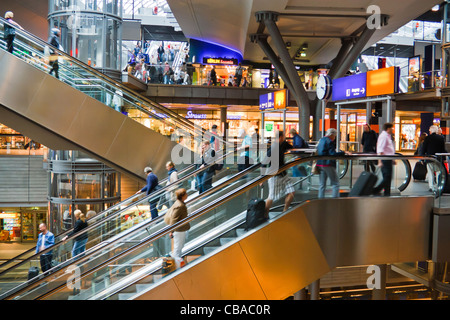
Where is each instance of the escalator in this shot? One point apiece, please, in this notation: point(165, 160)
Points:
point(224, 261)
point(86, 110)
point(124, 216)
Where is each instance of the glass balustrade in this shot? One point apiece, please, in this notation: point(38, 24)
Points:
point(136, 257)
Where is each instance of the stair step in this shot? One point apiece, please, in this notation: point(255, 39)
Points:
point(274, 214)
point(225, 240)
point(125, 296)
point(240, 232)
point(141, 287)
point(192, 258)
point(208, 250)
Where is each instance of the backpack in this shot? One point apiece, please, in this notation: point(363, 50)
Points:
point(256, 211)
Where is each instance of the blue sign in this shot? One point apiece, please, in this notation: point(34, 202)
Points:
point(350, 87)
point(266, 101)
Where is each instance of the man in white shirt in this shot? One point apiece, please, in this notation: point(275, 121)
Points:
point(385, 146)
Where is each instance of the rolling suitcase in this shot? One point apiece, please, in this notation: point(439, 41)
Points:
point(420, 171)
point(33, 272)
point(364, 185)
point(256, 212)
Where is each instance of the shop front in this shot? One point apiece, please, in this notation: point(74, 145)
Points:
point(21, 224)
point(236, 120)
point(409, 126)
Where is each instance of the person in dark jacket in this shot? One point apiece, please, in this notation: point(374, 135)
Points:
point(152, 185)
point(327, 168)
point(297, 141)
point(9, 32)
point(206, 177)
point(432, 144)
point(54, 41)
point(369, 143)
point(79, 245)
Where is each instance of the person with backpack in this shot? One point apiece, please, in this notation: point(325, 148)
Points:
point(9, 32)
point(327, 168)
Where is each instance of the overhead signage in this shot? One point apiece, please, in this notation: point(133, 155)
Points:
point(368, 84)
point(382, 82)
point(350, 87)
point(273, 100)
point(220, 61)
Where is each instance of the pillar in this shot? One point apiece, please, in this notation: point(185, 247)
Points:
point(315, 290)
point(223, 122)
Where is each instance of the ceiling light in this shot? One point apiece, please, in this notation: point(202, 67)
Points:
point(435, 8)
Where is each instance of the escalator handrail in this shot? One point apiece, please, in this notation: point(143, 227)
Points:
point(219, 201)
point(105, 212)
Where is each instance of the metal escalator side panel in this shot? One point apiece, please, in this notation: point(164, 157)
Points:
point(69, 113)
point(304, 244)
point(371, 230)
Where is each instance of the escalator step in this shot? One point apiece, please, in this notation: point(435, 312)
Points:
point(125, 296)
point(191, 258)
point(240, 232)
point(225, 240)
point(141, 287)
point(274, 214)
point(208, 250)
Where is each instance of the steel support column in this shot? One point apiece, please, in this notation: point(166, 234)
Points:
point(354, 52)
point(261, 40)
point(269, 18)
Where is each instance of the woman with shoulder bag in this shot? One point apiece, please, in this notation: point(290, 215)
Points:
point(177, 213)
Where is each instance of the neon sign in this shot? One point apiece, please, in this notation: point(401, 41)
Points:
point(220, 61)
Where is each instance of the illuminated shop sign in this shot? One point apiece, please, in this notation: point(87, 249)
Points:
point(273, 100)
point(203, 116)
point(220, 61)
point(197, 116)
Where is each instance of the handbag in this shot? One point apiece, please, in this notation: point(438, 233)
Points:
point(314, 168)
